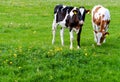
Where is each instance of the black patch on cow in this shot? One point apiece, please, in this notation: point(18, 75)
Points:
point(57, 8)
point(82, 17)
point(61, 12)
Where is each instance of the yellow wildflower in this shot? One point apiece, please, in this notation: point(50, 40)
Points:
point(15, 55)
point(19, 67)
point(10, 62)
point(86, 54)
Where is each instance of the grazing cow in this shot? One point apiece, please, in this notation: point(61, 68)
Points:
point(70, 17)
point(100, 22)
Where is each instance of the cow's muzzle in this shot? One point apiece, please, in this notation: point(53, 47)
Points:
point(81, 22)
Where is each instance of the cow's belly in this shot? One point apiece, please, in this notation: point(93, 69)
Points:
point(62, 23)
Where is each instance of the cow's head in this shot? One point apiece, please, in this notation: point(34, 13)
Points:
point(100, 36)
point(82, 13)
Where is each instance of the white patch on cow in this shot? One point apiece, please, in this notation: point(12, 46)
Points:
point(82, 11)
point(105, 12)
point(81, 22)
point(63, 7)
point(76, 30)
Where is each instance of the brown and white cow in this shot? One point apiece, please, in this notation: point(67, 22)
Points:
point(70, 17)
point(100, 22)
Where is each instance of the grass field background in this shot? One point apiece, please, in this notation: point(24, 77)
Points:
point(27, 55)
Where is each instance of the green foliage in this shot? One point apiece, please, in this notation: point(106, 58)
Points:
point(27, 55)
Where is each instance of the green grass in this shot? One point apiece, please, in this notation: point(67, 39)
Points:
point(27, 55)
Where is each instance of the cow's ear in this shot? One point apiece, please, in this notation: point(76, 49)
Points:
point(95, 31)
point(106, 33)
point(75, 11)
point(88, 11)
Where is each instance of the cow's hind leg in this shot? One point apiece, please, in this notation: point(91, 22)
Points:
point(62, 36)
point(54, 26)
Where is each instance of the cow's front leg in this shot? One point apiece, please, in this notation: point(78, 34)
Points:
point(54, 26)
point(62, 36)
point(78, 38)
point(95, 37)
point(71, 39)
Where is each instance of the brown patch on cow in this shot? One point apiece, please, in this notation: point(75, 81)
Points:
point(108, 21)
point(96, 21)
point(77, 27)
point(102, 39)
point(104, 22)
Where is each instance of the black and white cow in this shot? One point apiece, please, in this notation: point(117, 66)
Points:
point(70, 17)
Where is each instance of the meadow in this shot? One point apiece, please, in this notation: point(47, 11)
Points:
point(27, 54)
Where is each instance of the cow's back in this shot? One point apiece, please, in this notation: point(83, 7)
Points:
point(101, 13)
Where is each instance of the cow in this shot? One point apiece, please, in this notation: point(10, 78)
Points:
point(68, 17)
point(100, 22)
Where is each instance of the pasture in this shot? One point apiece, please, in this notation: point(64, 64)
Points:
point(27, 54)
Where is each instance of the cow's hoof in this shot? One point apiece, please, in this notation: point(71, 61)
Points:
point(71, 48)
point(98, 44)
point(78, 47)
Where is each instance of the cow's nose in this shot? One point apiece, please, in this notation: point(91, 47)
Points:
point(81, 22)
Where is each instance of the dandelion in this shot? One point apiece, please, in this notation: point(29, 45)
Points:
point(15, 55)
point(86, 54)
point(11, 62)
point(58, 49)
point(48, 52)
point(19, 67)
